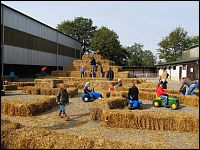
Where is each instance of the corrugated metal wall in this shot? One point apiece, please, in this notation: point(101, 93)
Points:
point(16, 55)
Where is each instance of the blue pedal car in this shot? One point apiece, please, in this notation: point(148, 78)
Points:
point(134, 104)
point(88, 98)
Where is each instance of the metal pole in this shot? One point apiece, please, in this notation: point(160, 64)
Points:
point(2, 46)
point(57, 51)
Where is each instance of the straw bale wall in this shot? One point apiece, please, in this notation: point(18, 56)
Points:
point(48, 91)
point(27, 108)
point(9, 87)
point(50, 83)
point(187, 100)
point(151, 120)
point(42, 138)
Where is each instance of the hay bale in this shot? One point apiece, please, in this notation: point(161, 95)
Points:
point(151, 120)
point(106, 103)
point(35, 91)
point(10, 87)
point(27, 108)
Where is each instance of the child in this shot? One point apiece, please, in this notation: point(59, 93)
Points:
point(112, 88)
point(62, 99)
point(160, 92)
point(133, 92)
point(87, 89)
point(101, 72)
point(82, 70)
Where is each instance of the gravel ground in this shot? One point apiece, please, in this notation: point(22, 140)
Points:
point(81, 123)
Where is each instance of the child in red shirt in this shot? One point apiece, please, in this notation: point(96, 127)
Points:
point(160, 92)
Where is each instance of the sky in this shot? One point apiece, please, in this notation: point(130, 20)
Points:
point(144, 22)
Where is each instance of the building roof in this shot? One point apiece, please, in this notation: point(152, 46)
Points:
point(192, 60)
point(38, 21)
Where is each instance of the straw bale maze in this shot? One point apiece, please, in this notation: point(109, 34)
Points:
point(29, 114)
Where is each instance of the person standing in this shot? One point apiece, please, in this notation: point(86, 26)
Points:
point(110, 74)
point(101, 72)
point(62, 99)
point(12, 76)
point(93, 63)
point(163, 78)
point(82, 70)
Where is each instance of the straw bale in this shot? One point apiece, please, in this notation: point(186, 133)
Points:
point(51, 83)
point(21, 84)
point(9, 87)
point(87, 57)
point(26, 89)
point(23, 108)
point(151, 120)
point(41, 138)
point(105, 103)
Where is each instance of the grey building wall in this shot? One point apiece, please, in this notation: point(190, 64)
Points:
point(20, 55)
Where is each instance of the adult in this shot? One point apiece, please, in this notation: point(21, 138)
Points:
point(133, 92)
point(82, 70)
point(163, 78)
point(110, 74)
point(93, 63)
point(12, 76)
point(62, 99)
point(191, 86)
point(160, 92)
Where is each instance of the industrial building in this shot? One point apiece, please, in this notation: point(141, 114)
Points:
point(28, 44)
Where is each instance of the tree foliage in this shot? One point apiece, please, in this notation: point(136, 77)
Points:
point(139, 57)
point(191, 41)
point(106, 41)
point(171, 46)
point(80, 28)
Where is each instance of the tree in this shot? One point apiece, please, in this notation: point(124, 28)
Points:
point(106, 41)
point(135, 55)
point(148, 59)
point(191, 41)
point(80, 28)
point(171, 46)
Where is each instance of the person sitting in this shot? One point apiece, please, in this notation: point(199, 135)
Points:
point(110, 74)
point(133, 92)
point(160, 92)
point(112, 88)
point(12, 76)
point(119, 83)
point(87, 89)
point(191, 86)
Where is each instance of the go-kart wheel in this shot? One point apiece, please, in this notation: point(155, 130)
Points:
point(129, 106)
point(140, 106)
point(174, 106)
point(156, 103)
point(86, 99)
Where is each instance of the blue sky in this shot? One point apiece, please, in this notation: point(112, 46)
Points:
point(145, 22)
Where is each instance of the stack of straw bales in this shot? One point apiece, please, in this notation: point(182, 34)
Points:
point(50, 83)
point(27, 108)
point(151, 120)
point(9, 87)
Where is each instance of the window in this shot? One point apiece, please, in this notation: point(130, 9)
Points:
point(174, 67)
point(184, 67)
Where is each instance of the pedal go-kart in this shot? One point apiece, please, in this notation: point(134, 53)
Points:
point(134, 104)
point(173, 102)
point(88, 98)
point(2, 92)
